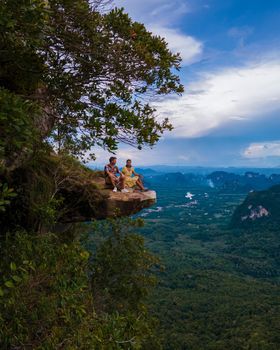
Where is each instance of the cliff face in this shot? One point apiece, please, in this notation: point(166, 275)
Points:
point(103, 203)
point(91, 199)
point(260, 208)
point(124, 204)
point(60, 190)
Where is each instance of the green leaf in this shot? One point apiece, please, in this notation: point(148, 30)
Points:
point(16, 278)
point(84, 255)
point(9, 284)
point(13, 266)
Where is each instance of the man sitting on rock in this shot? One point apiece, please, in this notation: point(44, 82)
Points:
point(111, 170)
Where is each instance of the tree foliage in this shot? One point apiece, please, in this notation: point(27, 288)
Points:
point(49, 301)
point(73, 75)
point(6, 194)
point(17, 130)
point(123, 268)
point(92, 72)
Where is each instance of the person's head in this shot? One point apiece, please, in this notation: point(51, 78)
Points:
point(128, 163)
point(113, 160)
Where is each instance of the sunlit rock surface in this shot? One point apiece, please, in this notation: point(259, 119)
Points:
point(92, 200)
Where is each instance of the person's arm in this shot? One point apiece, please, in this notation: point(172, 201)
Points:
point(134, 173)
point(107, 172)
point(122, 173)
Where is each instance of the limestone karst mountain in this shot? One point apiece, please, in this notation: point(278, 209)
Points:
point(259, 208)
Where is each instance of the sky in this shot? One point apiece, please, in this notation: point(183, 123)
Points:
point(229, 112)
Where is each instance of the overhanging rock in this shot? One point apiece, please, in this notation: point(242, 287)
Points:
point(93, 201)
point(125, 204)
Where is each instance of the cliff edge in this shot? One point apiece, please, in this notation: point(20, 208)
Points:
point(91, 199)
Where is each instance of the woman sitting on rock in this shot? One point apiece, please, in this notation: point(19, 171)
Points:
point(130, 181)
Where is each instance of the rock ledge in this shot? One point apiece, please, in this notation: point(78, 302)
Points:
point(93, 201)
point(124, 204)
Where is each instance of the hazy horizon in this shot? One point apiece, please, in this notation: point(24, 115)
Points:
point(157, 166)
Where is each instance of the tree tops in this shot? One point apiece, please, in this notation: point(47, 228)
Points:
point(90, 71)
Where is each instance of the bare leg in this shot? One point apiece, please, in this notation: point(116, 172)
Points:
point(140, 184)
point(112, 179)
point(122, 177)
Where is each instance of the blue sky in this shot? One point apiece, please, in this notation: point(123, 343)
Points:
point(229, 113)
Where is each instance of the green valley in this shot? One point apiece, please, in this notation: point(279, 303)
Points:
point(220, 287)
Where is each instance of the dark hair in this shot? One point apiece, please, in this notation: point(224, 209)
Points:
point(112, 158)
point(128, 160)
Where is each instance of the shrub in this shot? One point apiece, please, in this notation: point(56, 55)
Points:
point(47, 301)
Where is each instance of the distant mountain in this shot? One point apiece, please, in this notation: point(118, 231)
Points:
point(221, 180)
point(242, 183)
point(179, 178)
point(260, 208)
point(147, 171)
point(208, 170)
point(275, 178)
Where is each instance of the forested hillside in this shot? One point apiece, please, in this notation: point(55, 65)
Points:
point(220, 286)
point(260, 209)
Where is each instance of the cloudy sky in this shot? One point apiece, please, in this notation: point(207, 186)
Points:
point(229, 113)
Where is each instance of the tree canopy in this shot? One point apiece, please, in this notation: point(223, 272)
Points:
point(90, 69)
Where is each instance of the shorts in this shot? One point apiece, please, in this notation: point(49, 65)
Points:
point(108, 181)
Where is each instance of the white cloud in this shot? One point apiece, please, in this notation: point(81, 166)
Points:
point(160, 17)
point(262, 150)
point(184, 158)
point(189, 48)
point(229, 95)
point(123, 153)
point(151, 11)
point(240, 34)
